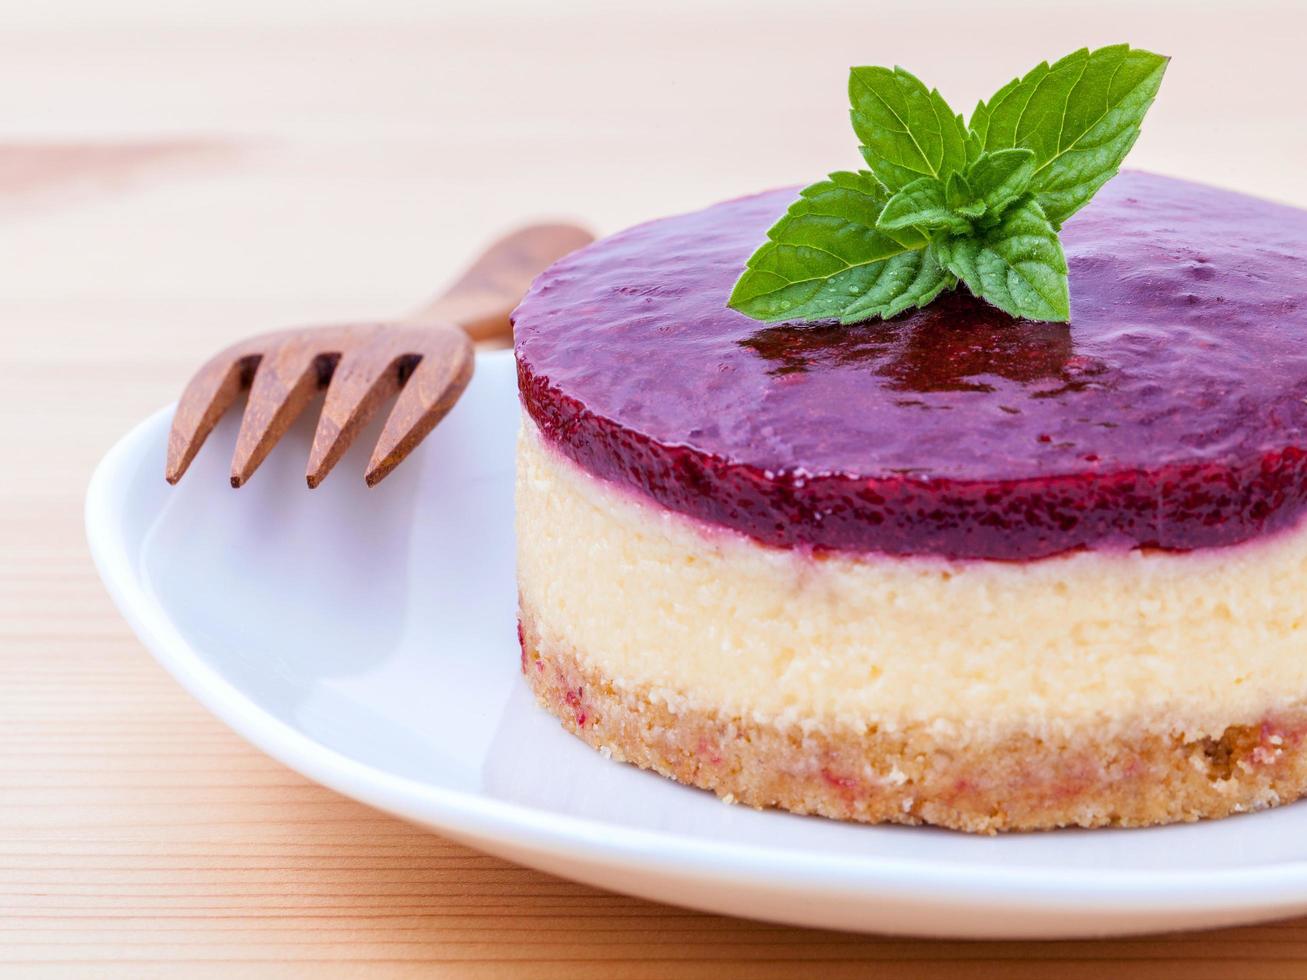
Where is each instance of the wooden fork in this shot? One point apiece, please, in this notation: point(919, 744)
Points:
point(426, 358)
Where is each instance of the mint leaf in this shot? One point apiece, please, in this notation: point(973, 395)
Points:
point(922, 204)
point(1017, 265)
point(912, 279)
point(958, 192)
point(999, 177)
point(907, 131)
point(975, 144)
point(982, 113)
point(945, 201)
point(825, 254)
point(1079, 116)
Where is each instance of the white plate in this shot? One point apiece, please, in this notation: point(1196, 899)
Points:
point(366, 638)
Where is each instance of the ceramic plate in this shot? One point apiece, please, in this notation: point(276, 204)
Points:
point(367, 639)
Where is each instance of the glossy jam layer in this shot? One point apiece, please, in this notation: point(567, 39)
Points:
point(1170, 413)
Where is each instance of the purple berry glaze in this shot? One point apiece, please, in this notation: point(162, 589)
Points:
point(1169, 414)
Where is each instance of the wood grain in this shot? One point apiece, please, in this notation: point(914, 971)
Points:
point(358, 163)
point(361, 366)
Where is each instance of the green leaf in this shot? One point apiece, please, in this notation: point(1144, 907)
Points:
point(957, 192)
point(975, 144)
point(907, 131)
point(910, 280)
point(1017, 265)
point(980, 115)
point(945, 202)
point(824, 254)
point(922, 204)
point(1079, 116)
point(999, 177)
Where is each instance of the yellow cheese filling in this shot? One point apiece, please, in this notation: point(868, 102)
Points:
point(698, 616)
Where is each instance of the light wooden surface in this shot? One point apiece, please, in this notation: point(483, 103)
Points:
point(173, 177)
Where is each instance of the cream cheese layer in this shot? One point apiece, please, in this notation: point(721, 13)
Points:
point(699, 616)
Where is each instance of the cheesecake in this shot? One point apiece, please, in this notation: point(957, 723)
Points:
point(951, 568)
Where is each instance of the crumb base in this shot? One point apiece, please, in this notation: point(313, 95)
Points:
point(910, 775)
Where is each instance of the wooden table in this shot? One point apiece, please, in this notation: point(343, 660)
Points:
point(170, 182)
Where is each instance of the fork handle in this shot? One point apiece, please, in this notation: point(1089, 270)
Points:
point(481, 299)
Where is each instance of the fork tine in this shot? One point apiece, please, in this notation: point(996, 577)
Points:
point(206, 399)
point(285, 380)
point(363, 379)
point(283, 369)
point(427, 396)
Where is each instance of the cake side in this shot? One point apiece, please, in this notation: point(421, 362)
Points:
point(1194, 641)
point(1085, 689)
point(916, 775)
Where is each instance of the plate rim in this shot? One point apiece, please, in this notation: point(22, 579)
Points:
point(475, 817)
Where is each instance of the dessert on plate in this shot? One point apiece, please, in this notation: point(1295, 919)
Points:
point(948, 565)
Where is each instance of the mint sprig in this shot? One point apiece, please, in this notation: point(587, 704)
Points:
point(945, 201)
point(1016, 264)
point(827, 258)
point(1080, 116)
point(906, 131)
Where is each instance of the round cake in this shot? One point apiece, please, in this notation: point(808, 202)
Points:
point(950, 568)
